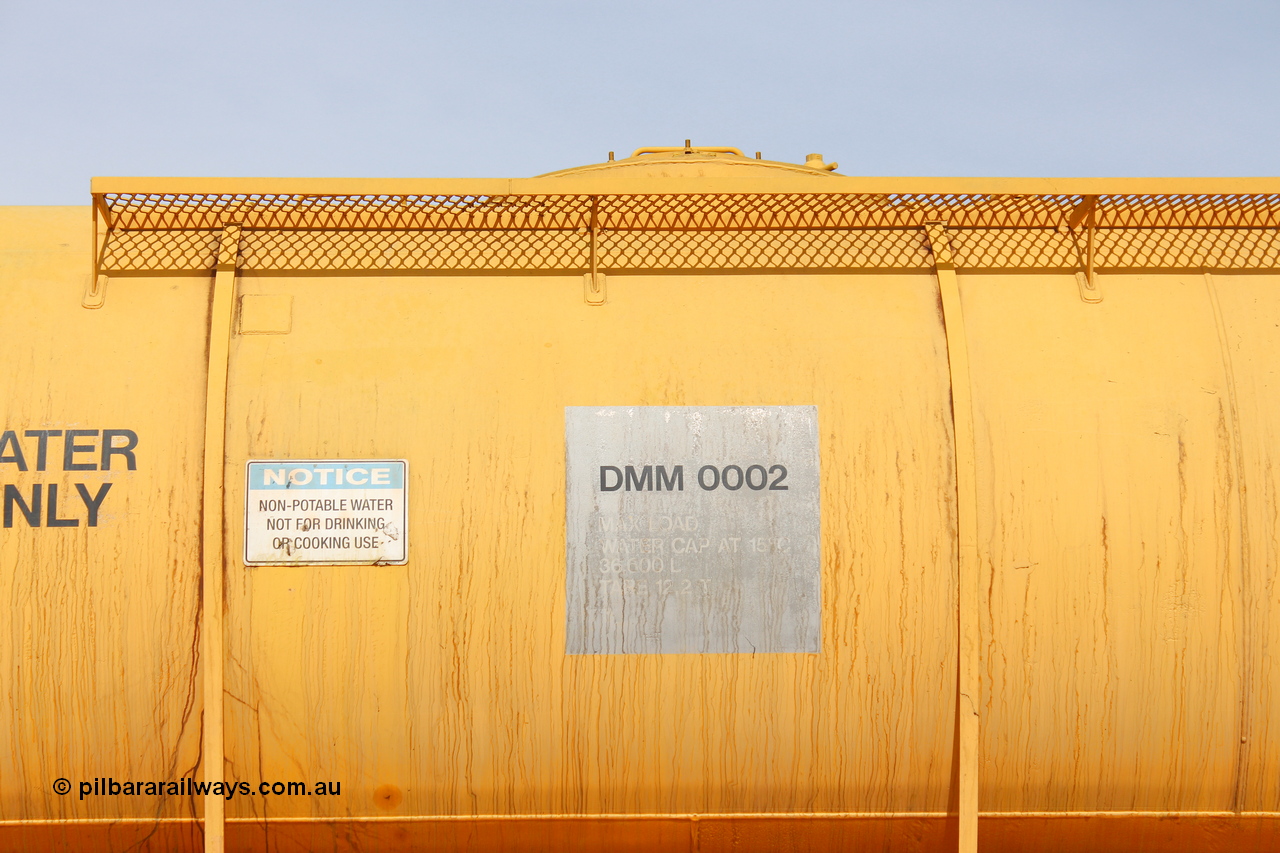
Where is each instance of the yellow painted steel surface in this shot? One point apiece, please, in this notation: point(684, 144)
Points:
point(1122, 499)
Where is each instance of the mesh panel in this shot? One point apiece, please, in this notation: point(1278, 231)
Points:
point(734, 250)
point(1224, 249)
point(137, 211)
point(410, 251)
point(989, 248)
point(1198, 211)
point(728, 232)
point(170, 251)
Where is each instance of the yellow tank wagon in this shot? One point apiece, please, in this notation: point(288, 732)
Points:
point(447, 514)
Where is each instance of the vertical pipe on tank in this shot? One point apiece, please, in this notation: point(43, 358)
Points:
point(968, 673)
point(221, 308)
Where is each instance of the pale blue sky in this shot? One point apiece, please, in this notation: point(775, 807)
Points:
point(400, 89)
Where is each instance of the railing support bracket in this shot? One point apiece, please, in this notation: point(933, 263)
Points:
point(95, 295)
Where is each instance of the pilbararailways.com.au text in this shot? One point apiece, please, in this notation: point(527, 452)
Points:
point(109, 787)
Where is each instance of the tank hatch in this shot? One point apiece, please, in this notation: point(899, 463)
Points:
point(699, 161)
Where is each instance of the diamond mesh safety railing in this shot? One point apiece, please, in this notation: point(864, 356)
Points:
point(728, 232)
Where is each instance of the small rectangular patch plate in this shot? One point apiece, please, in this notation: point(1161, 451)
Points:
point(266, 314)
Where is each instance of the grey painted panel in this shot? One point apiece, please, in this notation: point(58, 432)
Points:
point(692, 529)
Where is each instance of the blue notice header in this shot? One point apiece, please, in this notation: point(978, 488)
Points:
point(308, 474)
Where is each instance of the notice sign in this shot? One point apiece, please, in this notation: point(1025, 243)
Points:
point(692, 529)
point(314, 512)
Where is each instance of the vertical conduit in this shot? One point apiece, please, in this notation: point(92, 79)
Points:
point(967, 671)
point(221, 307)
